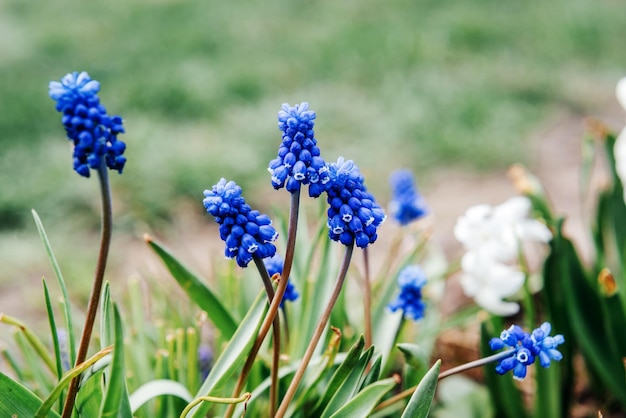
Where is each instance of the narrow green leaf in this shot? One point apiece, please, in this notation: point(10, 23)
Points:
point(116, 403)
point(156, 388)
point(67, 311)
point(586, 325)
point(350, 386)
point(34, 341)
point(422, 398)
point(233, 355)
point(46, 406)
point(366, 400)
point(197, 291)
point(341, 374)
point(89, 397)
point(53, 331)
point(374, 373)
point(17, 401)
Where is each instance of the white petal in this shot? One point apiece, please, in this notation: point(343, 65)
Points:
point(620, 92)
point(495, 305)
point(619, 150)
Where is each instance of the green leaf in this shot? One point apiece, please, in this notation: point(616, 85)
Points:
point(197, 291)
point(422, 398)
point(350, 386)
point(46, 406)
point(116, 403)
point(17, 401)
point(53, 330)
point(374, 373)
point(89, 397)
point(340, 375)
point(156, 388)
point(366, 400)
point(233, 355)
point(67, 312)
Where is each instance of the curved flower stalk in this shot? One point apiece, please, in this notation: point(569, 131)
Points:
point(87, 123)
point(94, 134)
point(298, 161)
point(407, 204)
point(411, 280)
point(524, 348)
point(492, 237)
point(620, 143)
point(246, 232)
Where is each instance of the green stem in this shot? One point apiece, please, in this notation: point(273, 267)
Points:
point(273, 309)
point(94, 299)
point(319, 329)
point(269, 289)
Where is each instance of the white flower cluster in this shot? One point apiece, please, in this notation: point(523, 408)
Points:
point(492, 237)
point(620, 144)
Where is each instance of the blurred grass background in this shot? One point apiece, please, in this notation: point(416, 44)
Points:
point(423, 84)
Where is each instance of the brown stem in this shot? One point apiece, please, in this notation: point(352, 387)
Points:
point(94, 298)
point(317, 334)
point(367, 303)
point(273, 309)
point(269, 289)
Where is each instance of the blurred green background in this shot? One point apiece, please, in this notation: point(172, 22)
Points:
point(422, 84)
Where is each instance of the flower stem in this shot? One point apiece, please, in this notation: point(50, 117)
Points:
point(269, 289)
point(94, 298)
point(463, 367)
point(273, 309)
point(317, 334)
point(367, 303)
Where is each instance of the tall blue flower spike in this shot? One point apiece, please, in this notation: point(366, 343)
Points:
point(411, 280)
point(275, 265)
point(525, 348)
point(298, 161)
point(353, 214)
point(407, 204)
point(246, 232)
point(87, 123)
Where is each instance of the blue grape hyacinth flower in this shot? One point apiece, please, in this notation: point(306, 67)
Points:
point(87, 123)
point(407, 204)
point(525, 348)
point(298, 161)
point(353, 214)
point(246, 232)
point(274, 265)
point(411, 280)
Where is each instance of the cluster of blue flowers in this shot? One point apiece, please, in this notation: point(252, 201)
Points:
point(246, 232)
point(407, 204)
point(411, 280)
point(525, 348)
point(274, 265)
point(87, 123)
point(353, 214)
point(298, 161)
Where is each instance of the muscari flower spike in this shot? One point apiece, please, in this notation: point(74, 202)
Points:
point(246, 232)
point(526, 347)
point(87, 123)
point(353, 214)
point(411, 280)
point(274, 265)
point(407, 204)
point(298, 161)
